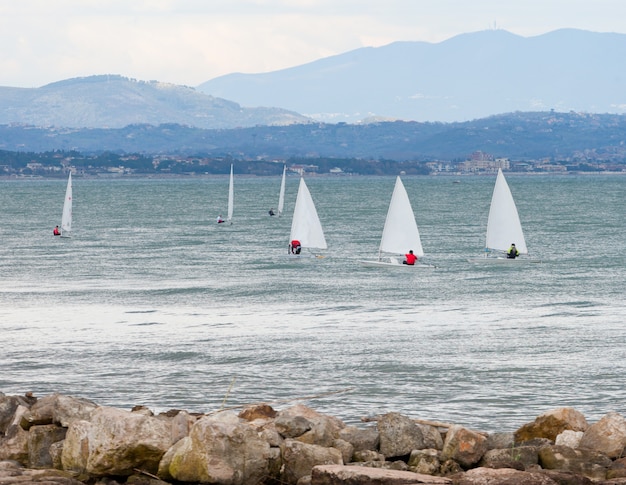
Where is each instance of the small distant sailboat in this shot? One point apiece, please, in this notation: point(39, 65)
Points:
point(281, 196)
point(400, 234)
point(66, 217)
point(503, 227)
point(306, 226)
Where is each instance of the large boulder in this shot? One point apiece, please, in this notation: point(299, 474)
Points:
point(426, 462)
point(11, 474)
point(356, 475)
point(361, 439)
point(569, 438)
point(309, 426)
point(518, 458)
point(399, 435)
point(8, 406)
point(617, 469)
point(14, 445)
point(607, 436)
point(552, 423)
point(585, 462)
point(40, 439)
point(300, 458)
point(502, 476)
point(222, 449)
point(464, 446)
point(58, 409)
point(181, 424)
point(115, 442)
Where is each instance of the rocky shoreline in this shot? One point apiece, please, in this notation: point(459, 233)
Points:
point(65, 440)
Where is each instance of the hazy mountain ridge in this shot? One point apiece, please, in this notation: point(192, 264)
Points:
point(466, 77)
point(519, 136)
point(112, 101)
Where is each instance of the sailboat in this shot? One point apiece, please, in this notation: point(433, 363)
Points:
point(305, 225)
point(66, 217)
point(400, 233)
point(231, 196)
point(281, 196)
point(503, 227)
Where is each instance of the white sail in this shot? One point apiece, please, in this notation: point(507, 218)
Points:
point(66, 218)
point(231, 195)
point(306, 226)
point(503, 225)
point(281, 196)
point(400, 233)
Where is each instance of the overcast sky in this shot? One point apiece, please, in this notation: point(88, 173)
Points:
point(192, 41)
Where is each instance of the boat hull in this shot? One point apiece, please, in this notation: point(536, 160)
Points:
point(394, 264)
point(502, 260)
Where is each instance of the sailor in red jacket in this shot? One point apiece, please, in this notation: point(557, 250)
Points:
point(295, 247)
point(56, 231)
point(410, 258)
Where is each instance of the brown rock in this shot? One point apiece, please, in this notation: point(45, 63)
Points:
point(219, 449)
point(300, 458)
point(426, 462)
point(586, 462)
point(502, 476)
point(13, 474)
point(354, 475)
point(607, 436)
point(464, 446)
point(566, 478)
point(257, 411)
point(617, 469)
point(518, 458)
point(40, 438)
point(14, 446)
point(550, 424)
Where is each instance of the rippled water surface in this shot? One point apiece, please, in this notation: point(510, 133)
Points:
point(151, 302)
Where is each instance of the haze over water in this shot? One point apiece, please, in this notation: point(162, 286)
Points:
point(150, 302)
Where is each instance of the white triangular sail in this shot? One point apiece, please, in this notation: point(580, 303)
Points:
point(400, 233)
point(306, 226)
point(503, 225)
point(66, 218)
point(281, 196)
point(231, 195)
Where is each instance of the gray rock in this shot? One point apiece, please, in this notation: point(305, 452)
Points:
point(399, 435)
point(354, 475)
point(607, 436)
point(360, 439)
point(502, 476)
point(585, 462)
point(300, 458)
point(40, 439)
point(221, 448)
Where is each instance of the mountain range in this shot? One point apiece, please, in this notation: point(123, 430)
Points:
point(519, 136)
point(467, 77)
point(113, 101)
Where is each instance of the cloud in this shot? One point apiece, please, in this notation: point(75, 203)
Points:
point(191, 41)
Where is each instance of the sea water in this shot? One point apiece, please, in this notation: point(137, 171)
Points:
point(151, 302)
